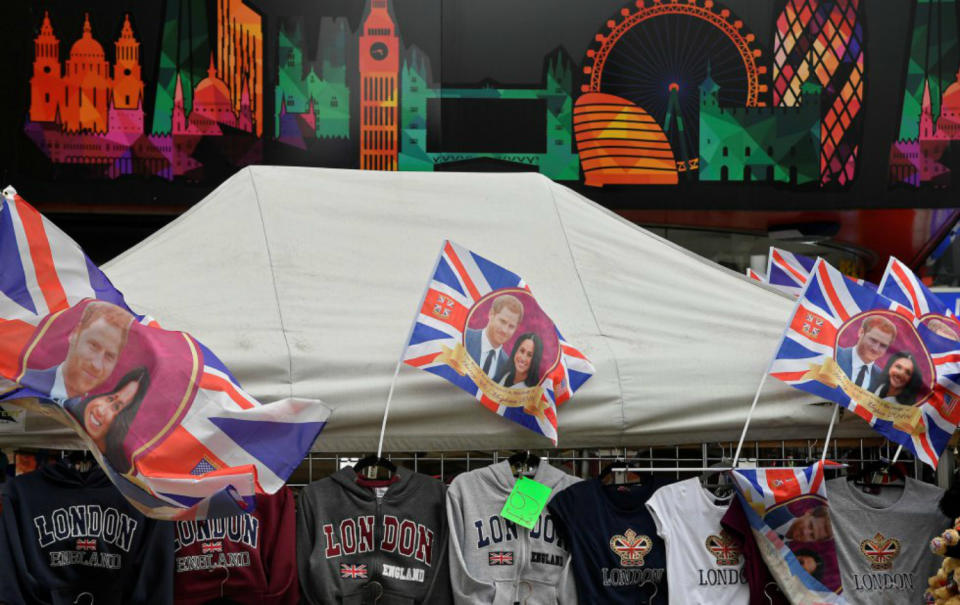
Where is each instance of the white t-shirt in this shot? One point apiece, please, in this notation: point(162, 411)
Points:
point(704, 567)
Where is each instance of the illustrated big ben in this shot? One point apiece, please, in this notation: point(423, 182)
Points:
point(127, 83)
point(379, 71)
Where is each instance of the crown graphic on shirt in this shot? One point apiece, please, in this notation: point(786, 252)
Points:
point(723, 548)
point(631, 548)
point(880, 551)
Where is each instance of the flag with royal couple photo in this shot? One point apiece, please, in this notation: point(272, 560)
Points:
point(163, 416)
point(480, 327)
point(896, 368)
point(788, 514)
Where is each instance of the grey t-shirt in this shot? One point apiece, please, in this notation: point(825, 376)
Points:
point(883, 540)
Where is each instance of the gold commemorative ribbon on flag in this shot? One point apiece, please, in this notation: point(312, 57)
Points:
point(531, 399)
point(906, 418)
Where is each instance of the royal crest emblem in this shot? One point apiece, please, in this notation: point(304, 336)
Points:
point(812, 325)
point(443, 306)
point(880, 551)
point(631, 548)
point(723, 548)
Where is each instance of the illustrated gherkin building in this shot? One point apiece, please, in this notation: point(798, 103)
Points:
point(822, 41)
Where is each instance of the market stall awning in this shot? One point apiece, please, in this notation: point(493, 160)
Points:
point(305, 282)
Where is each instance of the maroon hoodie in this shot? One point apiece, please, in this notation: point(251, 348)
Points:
point(248, 558)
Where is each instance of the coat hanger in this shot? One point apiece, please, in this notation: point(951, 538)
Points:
point(221, 600)
point(79, 460)
point(771, 587)
point(375, 467)
point(722, 487)
point(716, 480)
point(876, 475)
point(623, 472)
point(653, 595)
point(524, 463)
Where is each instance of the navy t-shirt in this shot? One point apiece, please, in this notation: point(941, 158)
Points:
point(615, 552)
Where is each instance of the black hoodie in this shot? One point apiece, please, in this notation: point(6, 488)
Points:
point(69, 538)
point(383, 545)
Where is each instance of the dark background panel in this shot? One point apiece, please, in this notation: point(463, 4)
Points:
point(469, 44)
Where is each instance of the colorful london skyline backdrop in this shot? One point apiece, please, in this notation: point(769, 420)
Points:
point(648, 103)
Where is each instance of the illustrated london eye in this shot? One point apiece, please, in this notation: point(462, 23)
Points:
point(653, 57)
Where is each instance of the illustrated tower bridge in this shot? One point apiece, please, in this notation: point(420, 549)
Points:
point(444, 126)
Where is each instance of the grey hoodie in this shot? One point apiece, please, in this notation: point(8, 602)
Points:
point(498, 562)
point(355, 543)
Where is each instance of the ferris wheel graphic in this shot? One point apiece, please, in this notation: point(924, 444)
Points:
point(651, 60)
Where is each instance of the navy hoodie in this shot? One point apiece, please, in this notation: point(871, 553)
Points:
point(69, 538)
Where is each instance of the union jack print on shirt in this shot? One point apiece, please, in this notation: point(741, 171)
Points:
point(210, 453)
point(463, 282)
point(500, 557)
point(209, 547)
point(827, 304)
point(353, 572)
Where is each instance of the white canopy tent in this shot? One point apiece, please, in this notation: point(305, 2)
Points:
point(305, 282)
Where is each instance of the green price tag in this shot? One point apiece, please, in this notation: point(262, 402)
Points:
point(525, 502)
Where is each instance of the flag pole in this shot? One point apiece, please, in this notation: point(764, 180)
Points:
point(406, 342)
point(896, 455)
point(386, 409)
point(746, 424)
point(826, 442)
point(756, 397)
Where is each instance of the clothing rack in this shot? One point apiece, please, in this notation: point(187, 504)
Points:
point(682, 460)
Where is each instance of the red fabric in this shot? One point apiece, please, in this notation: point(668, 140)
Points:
point(248, 570)
point(763, 588)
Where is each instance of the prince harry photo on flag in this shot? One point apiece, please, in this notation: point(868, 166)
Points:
point(485, 345)
point(94, 347)
point(858, 362)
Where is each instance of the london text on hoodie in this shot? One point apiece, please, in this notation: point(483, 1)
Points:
point(384, 545)
point(68, 537)
point(249, 558)
point(493, 560)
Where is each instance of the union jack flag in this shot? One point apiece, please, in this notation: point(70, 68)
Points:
point(789, 272)
point(900, 284)
point(810, 346)
point(756, 276)
point(86, 544)
point(209, 547)
point(500, 557)
point(353, 572)
point(46, 277)
point(444, 343)
point(778, 502)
